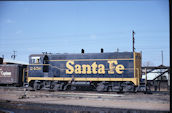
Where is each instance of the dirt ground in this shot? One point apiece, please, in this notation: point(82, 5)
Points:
point(141, 101)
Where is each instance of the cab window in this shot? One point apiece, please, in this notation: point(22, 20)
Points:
point(35, 60)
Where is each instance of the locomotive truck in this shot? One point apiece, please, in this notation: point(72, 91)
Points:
point(115, 71)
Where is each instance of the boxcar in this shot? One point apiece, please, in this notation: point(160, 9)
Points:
point(1, 60)
point(103, 71)
point(11, 74)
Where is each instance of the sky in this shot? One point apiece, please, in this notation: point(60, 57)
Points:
point(33, 27)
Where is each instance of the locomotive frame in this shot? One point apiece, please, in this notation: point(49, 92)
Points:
point(48, 71)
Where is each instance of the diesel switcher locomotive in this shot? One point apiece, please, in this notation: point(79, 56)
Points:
point(115, 71)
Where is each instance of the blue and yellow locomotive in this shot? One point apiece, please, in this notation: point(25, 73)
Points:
point(116, 71)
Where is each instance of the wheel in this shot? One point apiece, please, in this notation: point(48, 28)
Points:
point(67, 87)
point(102, 87)
point(37, 85)
point(73, 88)
point(57, 87)
point(128, 87)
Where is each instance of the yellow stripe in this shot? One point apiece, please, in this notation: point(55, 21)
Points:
point(82, 79)
point(91, 59)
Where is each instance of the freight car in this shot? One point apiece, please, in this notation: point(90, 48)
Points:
point(12, 74)
point(116, 71)
point(1, 60)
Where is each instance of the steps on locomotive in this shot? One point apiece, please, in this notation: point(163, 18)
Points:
point(143, 87)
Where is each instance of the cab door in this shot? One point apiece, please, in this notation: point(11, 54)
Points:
point(46, 67)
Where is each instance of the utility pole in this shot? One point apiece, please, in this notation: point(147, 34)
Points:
point(14, 55)
point(161, 71)
point(162, 56)
point(133, 40)
point(146, 79)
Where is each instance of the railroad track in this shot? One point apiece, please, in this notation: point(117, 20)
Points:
point(77, 93)
point(60, 94)
point(20, 94)
point(47, 90)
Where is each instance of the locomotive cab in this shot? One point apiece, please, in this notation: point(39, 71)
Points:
point(38, 65)
point(38, 68)
point(38, 59)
